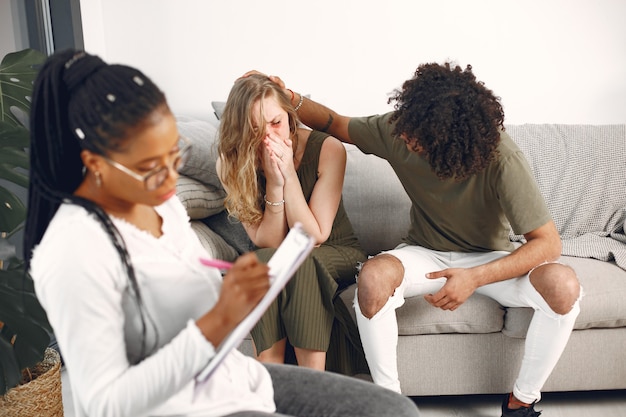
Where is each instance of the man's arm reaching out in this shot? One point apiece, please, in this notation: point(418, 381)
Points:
point(313, 114)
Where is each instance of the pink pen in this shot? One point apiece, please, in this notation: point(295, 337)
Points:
point(216, 263)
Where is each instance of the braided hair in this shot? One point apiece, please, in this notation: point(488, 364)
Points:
point(82, 103)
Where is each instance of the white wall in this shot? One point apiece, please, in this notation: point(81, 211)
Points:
point(549, 60)
point(12, 37)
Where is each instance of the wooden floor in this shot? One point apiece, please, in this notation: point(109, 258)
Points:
point(575, 404)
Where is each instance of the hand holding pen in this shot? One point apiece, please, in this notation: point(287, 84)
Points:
point(245, 283)
point(216, 263)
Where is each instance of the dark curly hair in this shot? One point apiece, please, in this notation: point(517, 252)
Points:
point(448, 116)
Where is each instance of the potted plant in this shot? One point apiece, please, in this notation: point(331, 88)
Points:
point(25, 333)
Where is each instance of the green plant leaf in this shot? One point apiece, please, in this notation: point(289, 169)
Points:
point(17, 75)
point(14, 137)
point(14, 163)
point(24, 329)
point(12, 212)
point(25, 333)
point(9, 370)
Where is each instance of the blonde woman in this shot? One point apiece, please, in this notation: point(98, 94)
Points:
point(276, 174)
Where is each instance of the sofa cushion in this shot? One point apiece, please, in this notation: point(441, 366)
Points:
point(604, 293)
point(231, 231)
point(375, 201)
point(218, 108)
point(215, 246)
point(201, 163)
point(479, 314)
point(200, 200)
point(602, 305)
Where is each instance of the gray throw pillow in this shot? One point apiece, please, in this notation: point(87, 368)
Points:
point(231, 231)
point(203, 137)
point(199, 199)
point(218, 108)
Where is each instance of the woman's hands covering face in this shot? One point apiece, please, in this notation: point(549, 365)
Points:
point(277, 159)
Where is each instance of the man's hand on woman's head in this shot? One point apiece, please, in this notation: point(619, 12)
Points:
point(274, 78)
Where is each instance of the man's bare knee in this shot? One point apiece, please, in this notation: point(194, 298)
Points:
point(558, 285)
point(377, 281)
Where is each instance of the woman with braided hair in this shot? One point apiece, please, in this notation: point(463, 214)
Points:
point(115, 264)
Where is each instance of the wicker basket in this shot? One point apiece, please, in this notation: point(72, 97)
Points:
point(42, 396)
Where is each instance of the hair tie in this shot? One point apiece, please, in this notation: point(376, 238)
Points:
point(80, 67)
point(74, 58)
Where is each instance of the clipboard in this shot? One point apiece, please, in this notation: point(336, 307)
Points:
point(293, 250)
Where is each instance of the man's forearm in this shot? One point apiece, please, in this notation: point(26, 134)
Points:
point(319, 117)
point(518, 263)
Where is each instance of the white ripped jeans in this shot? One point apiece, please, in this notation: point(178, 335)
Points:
point(547, 335)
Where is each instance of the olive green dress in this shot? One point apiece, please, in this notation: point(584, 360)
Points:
point(308, 312)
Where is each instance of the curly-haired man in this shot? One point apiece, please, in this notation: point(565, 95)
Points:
point(468, 183)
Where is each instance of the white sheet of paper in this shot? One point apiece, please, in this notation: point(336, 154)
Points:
point(296, 246)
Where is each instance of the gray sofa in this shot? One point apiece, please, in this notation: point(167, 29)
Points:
point(477, 349)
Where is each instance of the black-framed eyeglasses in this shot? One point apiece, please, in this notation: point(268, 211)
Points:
point(157, 176)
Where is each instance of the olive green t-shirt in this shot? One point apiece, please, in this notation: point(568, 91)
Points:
point(467, 216)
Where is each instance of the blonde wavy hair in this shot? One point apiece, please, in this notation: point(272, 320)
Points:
point(240, 144)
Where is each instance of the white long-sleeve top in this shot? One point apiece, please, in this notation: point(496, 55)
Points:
point(85, 290)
